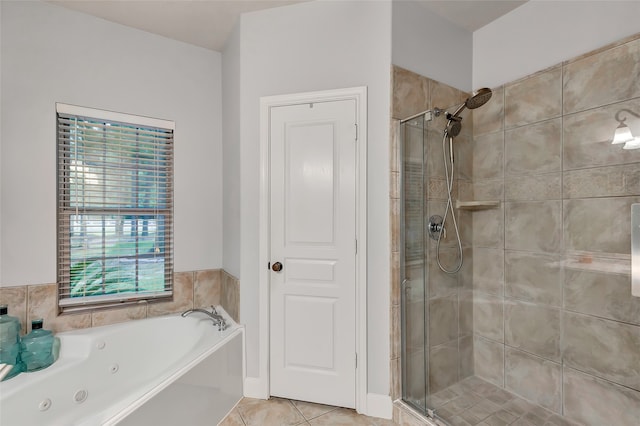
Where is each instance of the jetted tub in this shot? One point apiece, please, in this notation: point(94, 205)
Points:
point(159, 371)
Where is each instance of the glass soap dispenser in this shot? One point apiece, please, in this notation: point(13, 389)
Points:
point(37, 347)
point(10, 342)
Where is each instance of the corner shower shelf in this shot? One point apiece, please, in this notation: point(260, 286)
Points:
point(476, 205)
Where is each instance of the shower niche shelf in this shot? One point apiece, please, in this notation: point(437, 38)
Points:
point(476, 205)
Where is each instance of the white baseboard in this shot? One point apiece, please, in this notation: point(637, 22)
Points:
point(379, 406)
point(255, 388)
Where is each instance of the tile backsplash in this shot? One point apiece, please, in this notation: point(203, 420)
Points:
point(193, 289)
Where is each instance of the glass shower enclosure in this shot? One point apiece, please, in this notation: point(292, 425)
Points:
point(436, 350)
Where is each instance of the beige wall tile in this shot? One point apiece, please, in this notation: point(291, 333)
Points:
point(487, 190)
point(602, 181)
point(488, 314)
point(16, 299)
point(533, 99)
point(463, 148)
point(396, 332)
point(394, 190)
point(434, 155)
point(394, 148)
point(182, 296)
point(414, 382)
point(43, 303)
point(490, 117)
point(440, 283)
point(488, 359)
point(465, 310)
point(395, 279)
point(117, 315)
point(40, 301)
point(443, 366)
point(444, 96)
point(437, 189)
point(488, 228)
point(598, 225)
point(533, 328)
point(395, 225)
point(412, 141)
point(602, 294)
point(396, 385)
point(443, 320)
point(533, 187)
point(230, 298)
point(465, 345)
point(488, 271)
point(593, 402)
point(534, 149)
point(533, 226)
point(533, 277)
point(587, 137)
point(410, 93)
point(607, 77)
point(603, 348)
point(536, 379)
point(488, 152)
point(206, 288)
point(415, 326)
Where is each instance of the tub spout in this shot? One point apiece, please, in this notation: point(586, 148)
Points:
point(213, 316)
point(5, 369)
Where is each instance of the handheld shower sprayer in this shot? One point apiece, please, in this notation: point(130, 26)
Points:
point(453, 128)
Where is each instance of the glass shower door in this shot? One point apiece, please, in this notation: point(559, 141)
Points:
point(415, 354)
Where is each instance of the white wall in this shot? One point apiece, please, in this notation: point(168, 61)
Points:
point(231, 153)
point(1, 97)
point(540, 34)
point(429, 45)
point(308, 47)
point(50, 54)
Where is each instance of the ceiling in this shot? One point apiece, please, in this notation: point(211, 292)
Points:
point(207, 23)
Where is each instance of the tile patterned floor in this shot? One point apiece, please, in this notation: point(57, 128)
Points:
point(279, 412)
point(471, 402)
point(474, 401)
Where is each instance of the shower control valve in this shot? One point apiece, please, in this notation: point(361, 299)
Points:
point(435, 228)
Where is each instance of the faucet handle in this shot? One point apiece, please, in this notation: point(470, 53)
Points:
point(213, 310)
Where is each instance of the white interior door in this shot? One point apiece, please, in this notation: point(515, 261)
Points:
point(313, 238)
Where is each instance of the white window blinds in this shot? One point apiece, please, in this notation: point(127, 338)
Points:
point(115, 207)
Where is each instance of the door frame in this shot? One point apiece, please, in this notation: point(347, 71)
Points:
point(359, 94)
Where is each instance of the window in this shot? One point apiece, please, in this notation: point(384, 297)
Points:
point(115, 207)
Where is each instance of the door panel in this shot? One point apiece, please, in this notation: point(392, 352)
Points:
point(312, 346)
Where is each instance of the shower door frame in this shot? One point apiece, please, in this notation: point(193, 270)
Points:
point(427, 117)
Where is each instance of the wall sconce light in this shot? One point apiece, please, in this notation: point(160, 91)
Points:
point(623, 133)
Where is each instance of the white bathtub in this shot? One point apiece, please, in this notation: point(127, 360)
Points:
point(158, 371)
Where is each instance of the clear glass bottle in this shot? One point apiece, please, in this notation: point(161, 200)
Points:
point(10, 342)
point(36, 347)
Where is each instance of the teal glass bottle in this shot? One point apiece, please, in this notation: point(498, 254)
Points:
point(10, 342)
point(36, 347)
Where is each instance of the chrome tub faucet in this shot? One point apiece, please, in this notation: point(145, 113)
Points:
point(213, 316)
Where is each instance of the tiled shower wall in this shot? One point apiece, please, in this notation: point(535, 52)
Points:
point(553, 316)
point(449, 332)
point(195, 289)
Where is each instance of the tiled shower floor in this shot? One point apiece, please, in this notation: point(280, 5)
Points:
point(474, 401)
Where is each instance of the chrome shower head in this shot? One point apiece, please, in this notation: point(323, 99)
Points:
point(478, 99)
